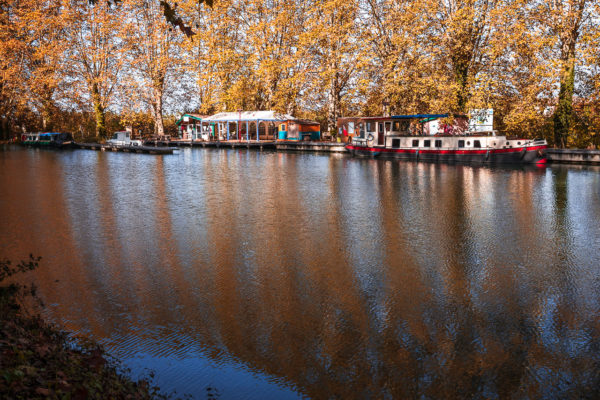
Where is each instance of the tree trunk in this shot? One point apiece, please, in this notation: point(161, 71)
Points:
point(159, 126)
point(564, 110)
point(99, 113)
point(3, 129)
point(333, 103)
point(461, 77)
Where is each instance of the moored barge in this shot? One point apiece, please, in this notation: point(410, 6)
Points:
point(48, 139)
point(415, 137)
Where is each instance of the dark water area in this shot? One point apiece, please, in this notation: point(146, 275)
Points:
point(254, 275)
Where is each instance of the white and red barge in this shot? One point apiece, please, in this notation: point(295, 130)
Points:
point(404, 137)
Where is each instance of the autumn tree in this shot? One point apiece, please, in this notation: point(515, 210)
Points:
point(563, 23)
point(151, 45)
point(329, 48)
point(12, 65)
point(94, 56)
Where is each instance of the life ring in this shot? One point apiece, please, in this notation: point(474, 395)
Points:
point(370, 139)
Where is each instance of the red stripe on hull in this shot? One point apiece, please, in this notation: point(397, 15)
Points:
point(528, 154)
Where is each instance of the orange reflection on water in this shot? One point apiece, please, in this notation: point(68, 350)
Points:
point(340, 277)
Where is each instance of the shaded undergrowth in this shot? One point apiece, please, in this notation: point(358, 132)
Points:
point(37, 360)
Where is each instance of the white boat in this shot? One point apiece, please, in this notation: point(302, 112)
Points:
point(404, 137)
point(123, 138)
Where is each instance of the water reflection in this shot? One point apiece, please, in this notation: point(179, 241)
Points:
point(285, 275)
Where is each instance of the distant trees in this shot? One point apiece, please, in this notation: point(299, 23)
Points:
point(535, 62)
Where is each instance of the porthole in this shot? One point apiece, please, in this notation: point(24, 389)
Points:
point(507, 143)
point(468, 143)
point(518, 143)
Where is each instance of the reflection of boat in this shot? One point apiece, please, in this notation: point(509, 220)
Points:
point(48, 139)
point(405, 137)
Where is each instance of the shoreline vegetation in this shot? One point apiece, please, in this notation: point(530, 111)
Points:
point(38, 360)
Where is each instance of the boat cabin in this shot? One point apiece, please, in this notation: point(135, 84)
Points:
point(379, 129)
point(299, 129)
point(123, 138)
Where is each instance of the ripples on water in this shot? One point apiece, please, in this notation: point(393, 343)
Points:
point(272, 275)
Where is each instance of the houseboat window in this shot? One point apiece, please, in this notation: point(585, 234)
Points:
point(361, 127)
point(518, 143)
point(350, 127)
point(396, 126)
point(477, 143)
point(127, 134)
point(438, 143)
point(370, 127)
point(395, 143)
point(115, 136)
point(415, 143)
point(388, 126)
point(282, 127)
point(426, 143)
point(507, 143)
point(461, 143)
point(380, 127)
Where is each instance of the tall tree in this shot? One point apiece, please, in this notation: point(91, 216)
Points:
point(151, 44)
point(45, 24)
point(94, 56)
point(13, 54)
point(563, 22)
point(330, 44)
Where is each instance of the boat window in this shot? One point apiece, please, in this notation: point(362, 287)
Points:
point(380, 127)
point(370, 127)
point(507, 143)
point(396, 126)
point(477, 143)
point(361, 127)
point(415, 143)
point(518, 143)
point(127, 134)
point(395, 143)
point(426, 143)
point(438, 143)
point(115, 136)
point(461, 143)
point(468, 143)
point(350, 127)
point(388, 126)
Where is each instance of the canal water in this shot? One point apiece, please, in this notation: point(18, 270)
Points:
point(255, 275)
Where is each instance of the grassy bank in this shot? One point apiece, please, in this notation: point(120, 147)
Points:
point(37, 360)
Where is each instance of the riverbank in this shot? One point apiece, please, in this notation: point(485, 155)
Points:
point(37, 360)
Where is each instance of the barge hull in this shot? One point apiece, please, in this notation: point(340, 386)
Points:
point(526, 155)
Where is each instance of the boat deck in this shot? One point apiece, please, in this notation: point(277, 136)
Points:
point(126, 149)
